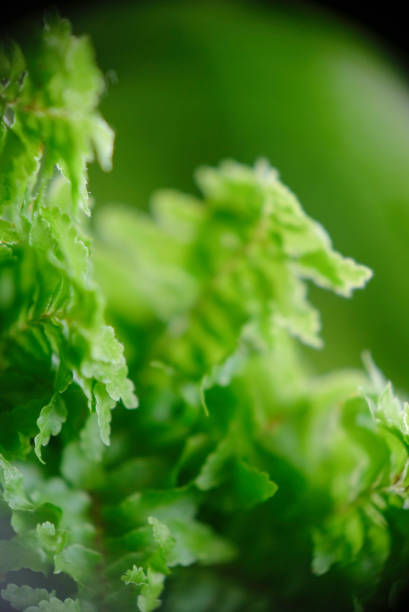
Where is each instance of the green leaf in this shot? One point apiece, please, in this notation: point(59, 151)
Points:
point(103, 140)
point(8, 233)
point(50, 538)
point(77, 561)
point(56, 605)
point(11, 480)
point(165, 543)
point(161, 504)
point(135, 576)
point(251, 486)
point(103, 406)
point(216, 467)
point(197, 542)
point(21, 597)
point(149, 584)
point(23, 552)
point(340, 542)
point(50, 421)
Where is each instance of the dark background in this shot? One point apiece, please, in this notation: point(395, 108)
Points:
point(386, 22)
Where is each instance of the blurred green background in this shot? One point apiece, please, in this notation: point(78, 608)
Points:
point(191, 83)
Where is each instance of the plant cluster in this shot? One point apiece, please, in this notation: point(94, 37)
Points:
point(243, 481)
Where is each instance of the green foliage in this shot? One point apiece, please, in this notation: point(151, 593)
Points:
point(53, 330)
point(34, 600)
point(241, 470)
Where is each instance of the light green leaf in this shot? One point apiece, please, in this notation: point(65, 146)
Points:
point(103, 406)
point(8, 233)
point(50, 538)
point(196, 542)
point(21, 597)
point(77, 561)
point(56, 605)
point(50, 421)
point(103, 140)
point(216, 468)
point(13, 492)
point(149, 584)
point(23, 552)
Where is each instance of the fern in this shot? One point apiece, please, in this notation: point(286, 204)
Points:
point(242, 474)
